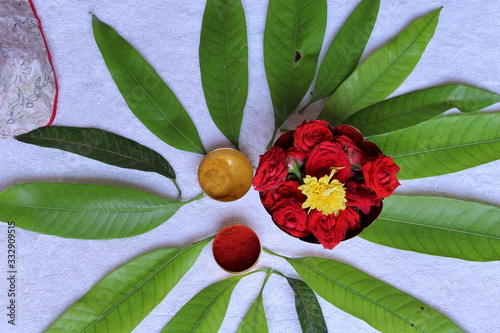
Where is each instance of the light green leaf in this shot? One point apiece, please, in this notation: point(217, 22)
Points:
point(308, 308)
point(438, 226)
point(224, 64)
point(84, 211)
point(383, 72)
point(292, 42)
point(205, 312)
point(122, 299)
point(418, 106)
point(149, 98)
point(443, 145)
point(380, 305)
point(346, 49)
point(255, 320)
point(100, 145)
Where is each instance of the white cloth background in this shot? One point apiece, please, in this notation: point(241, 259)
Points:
point(54, 272)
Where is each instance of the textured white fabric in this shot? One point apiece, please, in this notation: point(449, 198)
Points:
point(27, 81)
point(53, 273)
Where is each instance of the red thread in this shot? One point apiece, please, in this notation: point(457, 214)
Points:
point(236, 248)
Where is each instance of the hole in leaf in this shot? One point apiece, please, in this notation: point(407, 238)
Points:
point(297, 56)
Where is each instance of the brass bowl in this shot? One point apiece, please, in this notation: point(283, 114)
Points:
point(225, 174)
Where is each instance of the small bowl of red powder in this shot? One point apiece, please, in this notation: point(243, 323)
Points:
point(236, 249)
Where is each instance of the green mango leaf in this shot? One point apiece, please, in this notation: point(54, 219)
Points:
point(308, 308)
point(224, 64)
point(346, 49)
point(443, 145)
point(292, 41)
point(418, 106)
point(205, 312)
point(101, 146)
point(383, 72)
point(255, 319)
point(149, 98)
point(84, 211)
point(438, 226)
point(380, 305)
point(122, 299)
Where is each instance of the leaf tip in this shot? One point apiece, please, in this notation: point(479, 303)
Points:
point(438, 10)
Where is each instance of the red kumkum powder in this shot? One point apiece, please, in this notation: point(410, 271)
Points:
point(236, 248)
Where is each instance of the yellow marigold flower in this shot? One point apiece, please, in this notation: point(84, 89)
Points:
point(326, 194)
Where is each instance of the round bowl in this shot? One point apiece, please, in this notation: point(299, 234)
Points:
point(236, 249)
point(225, 174)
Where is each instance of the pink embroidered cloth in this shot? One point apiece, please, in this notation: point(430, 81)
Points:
point(28, 85)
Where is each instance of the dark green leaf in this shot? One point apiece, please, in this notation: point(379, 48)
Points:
point(443, 145)
point(205, 312)
point(382, 306)
point(84, 211)
point(418, 106)
point(100, 145)
point(438, 226)
point(308, 308)
point(346, 49)
point(122, 299)
point(255, 320)
point(292, 42)
point(224, 64)
point(149, 98)
point(383, 72)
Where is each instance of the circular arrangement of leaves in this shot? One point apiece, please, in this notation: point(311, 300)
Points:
point(405, 127)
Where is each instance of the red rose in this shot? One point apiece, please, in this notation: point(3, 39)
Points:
point(358, 194)
point(290, 217)
point(380, 175)
point(331, 229)
point(308, 135)
point(354, 153)
point(287, 190)
point(272, 170)
point(294, 154)
point(369, 149)
point(326, 155)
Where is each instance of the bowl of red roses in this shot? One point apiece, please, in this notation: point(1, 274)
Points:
point(324, 184)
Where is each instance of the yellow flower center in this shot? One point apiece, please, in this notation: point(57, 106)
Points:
point(326, 194)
